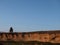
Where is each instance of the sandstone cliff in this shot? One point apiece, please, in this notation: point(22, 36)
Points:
point(41, 36)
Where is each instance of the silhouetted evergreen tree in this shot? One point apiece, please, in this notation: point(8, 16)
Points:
point(11, 29)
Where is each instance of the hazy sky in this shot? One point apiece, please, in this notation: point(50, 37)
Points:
point(29, 15)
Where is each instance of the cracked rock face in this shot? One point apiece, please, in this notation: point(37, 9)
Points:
point(42, 36)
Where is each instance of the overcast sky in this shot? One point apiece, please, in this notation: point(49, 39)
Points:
point(29, 15)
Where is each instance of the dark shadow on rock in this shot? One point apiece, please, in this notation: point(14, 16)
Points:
point(1, 44)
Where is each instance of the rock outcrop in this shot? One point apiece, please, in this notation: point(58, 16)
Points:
point(41, 36)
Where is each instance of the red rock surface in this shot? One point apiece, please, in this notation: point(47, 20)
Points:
point(42, 36)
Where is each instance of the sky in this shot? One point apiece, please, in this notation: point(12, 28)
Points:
point(29, 15)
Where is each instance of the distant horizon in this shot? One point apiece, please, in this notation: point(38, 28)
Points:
point(27, 31)
point(30, 31)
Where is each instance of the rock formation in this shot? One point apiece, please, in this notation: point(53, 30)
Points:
point(41, 36)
